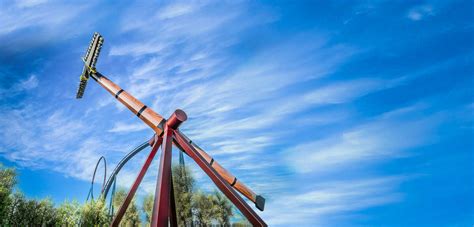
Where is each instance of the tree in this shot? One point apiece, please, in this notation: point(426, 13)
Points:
point(46, 213)
point(148, 208)
point(18, 214)
point(69, 213)
point(17, 210)
point(183, 185)
point(7, 181)
point(25, 212)
point(203, 206)
point(131, 216)
point(241, 221)
point(222, 209)
point(94, 213)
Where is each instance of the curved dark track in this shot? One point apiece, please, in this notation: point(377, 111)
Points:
point(91, 190)
point(120, 165)
point(111, 181)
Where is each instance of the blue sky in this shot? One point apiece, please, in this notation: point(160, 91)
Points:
point(339, 113)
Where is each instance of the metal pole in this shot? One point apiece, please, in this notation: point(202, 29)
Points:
point(220, 182)
point(227, 176)
point(173, 216)
point(161, 206)
point(138, 180)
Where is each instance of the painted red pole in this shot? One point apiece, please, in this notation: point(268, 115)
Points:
point(220, 182)
point(161, 206)
point(173, 216)
point(138, 180)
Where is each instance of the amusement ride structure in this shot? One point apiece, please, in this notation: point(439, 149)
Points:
point(167, 134)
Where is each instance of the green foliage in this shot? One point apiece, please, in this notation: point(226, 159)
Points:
point(241, 221)
point(69, 213)
point(203, 205)
point(131, 216)
point(201, 209)
point(7, 181)
point(183, 185)
point(94, 213)
point(222, 209)
point(16, 210)
point(25, 212)
point(204, 209)
point(46, 213)
point(148, 208)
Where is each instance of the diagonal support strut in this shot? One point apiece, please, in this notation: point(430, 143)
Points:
point(246, 210)
point(138, 180)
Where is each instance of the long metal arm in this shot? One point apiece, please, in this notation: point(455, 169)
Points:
point(156, 122)
point(147, 115)
point(228, 177)
point(225, 188)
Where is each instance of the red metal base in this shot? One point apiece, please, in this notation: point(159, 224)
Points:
point(164, 208)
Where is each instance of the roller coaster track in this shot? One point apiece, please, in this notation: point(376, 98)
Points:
point(91, 190)
point(107, 184)
point(119, 166)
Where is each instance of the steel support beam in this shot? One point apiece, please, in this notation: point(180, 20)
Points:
point(173, 216)
point(226, 175)
point(138, 180)
point(246, 210)
point(162, 205)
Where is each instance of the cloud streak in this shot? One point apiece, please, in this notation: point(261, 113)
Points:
point(332, 199)
point(391, 135)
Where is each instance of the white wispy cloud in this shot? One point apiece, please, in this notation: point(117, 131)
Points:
point(136, 49)
point(124, 127)
point(42, 146)
point(44, 138)
point(193, 80)
point(332, 199)
point(175, 10)
point(388, 136)
point(346, 91)
point(21, 86)
point(39, 15)
point(420, 12)
point(30, 83)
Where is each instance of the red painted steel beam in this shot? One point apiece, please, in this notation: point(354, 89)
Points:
point(162, 202)
point(246, 210)
point(123, 208)
point(173, 216)
point(161, 206)
point(147, 115)
point(238, 185)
